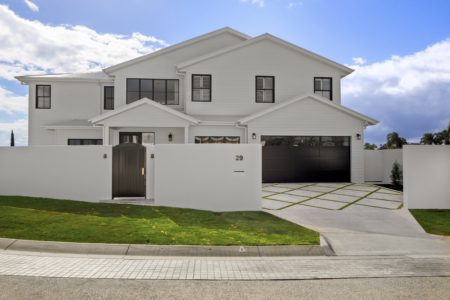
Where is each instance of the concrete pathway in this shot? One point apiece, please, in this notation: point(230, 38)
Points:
point(358, 228)
point(218, 268)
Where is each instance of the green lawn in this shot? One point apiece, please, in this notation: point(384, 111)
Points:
point(73, 221)
point(435, 221)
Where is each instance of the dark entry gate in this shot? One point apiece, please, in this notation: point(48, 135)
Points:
point(306, 158)
point(128, 170)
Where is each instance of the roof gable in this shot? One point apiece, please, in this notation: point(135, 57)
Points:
point(320, 99)
point(345, 70)
point(225, 30)
point(144, 102)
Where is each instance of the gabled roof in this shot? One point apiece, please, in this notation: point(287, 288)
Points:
point(266, 36)
point(143, 101)
point(91, 76)
point(178, 46)
point(368, 120)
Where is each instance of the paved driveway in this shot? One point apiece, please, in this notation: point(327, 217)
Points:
point(356, 219)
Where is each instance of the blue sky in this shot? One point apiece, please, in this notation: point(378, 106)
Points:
point(381, 35)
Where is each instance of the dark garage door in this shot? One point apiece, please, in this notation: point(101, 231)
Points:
point(306, 158)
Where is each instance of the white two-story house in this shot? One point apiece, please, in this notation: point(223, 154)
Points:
point(221, 87)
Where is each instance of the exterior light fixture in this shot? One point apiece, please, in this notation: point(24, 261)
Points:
point(254, 136)
point(170, 137)
point(358, 136)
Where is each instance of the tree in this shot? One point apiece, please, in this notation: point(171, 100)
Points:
point(396, 174)
point(395, 141)
point(368, 146)
point(12, 139)
point(428, 138)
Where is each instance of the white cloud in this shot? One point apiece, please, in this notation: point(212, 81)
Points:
point(359, 61)
point(294, 4)
point(409, 94)
point(20, 128)
point(11, 103)
point(260, 3)
point(31, 5)
point(30, 47)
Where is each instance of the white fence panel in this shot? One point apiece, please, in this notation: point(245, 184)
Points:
point(62, 172)
point(426, 176)
point(378, 164)
point(218, 177)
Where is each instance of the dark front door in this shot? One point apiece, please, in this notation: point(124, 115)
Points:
point(129, 170)
point(306, 158)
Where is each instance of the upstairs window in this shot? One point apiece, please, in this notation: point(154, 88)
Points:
point(163, 91)
point(43, 96)
point(108, 97)
point(323, 86)
point(201, 88)
point(265, 89)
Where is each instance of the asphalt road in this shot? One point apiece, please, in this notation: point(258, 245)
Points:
point(17, 287)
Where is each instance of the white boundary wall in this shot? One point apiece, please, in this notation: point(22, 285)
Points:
point(61, 172)
point(426, 176)
point(378, 164)
point(208, 176)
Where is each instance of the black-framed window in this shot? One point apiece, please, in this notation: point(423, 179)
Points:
point(163, 91)
point(217, 140)
point(84, 142)
point(43, 96)
point(201, 87)
point(265, 89)
point(324, 86)
point(108, 97)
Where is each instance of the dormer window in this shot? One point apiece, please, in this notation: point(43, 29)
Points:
point(324, 86)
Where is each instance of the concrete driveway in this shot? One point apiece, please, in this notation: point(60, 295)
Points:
point(363, 225)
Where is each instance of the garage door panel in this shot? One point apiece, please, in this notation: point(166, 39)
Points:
point(306, 159)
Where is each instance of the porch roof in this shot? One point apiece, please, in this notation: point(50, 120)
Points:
point(144, 113)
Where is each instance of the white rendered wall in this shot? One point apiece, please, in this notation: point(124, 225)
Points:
point(233, 78)
point(426, 176)
point(378, 164)
point(208, 176)
point(312, 118)
point(60, 172)
point(69, 101)
point(164, 66)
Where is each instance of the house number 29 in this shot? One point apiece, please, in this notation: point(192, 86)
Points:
point(239, 157)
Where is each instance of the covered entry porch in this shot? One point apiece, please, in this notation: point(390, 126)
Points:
point(145, 122)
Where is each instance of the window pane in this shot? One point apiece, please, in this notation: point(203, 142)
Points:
point(268, 95)
point(172, 92)
point(206, 82)
point(318, 84)
point(259, 95)
point(205, 94)
point(268, 83)
point(148, 138)
point(146, 85)
point(196, 95)
point(326, 95)
point(159, 94)
point(133, 85)
point(259, 83)
point(47, 91)
point(326, 84)
point(46, 102)
point(196, 81)
point(109, 91)
point(132, 96)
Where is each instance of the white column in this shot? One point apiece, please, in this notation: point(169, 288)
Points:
point(186, 135)
point(105, 135)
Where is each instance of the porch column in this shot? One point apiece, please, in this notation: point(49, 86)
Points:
point(186, 135)
point(105, 135)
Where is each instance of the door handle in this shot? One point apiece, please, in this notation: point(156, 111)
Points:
point(142, 171)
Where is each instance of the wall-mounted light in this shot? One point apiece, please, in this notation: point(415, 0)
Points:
point(170, 137)
point(358, 136)
point(254, 136)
